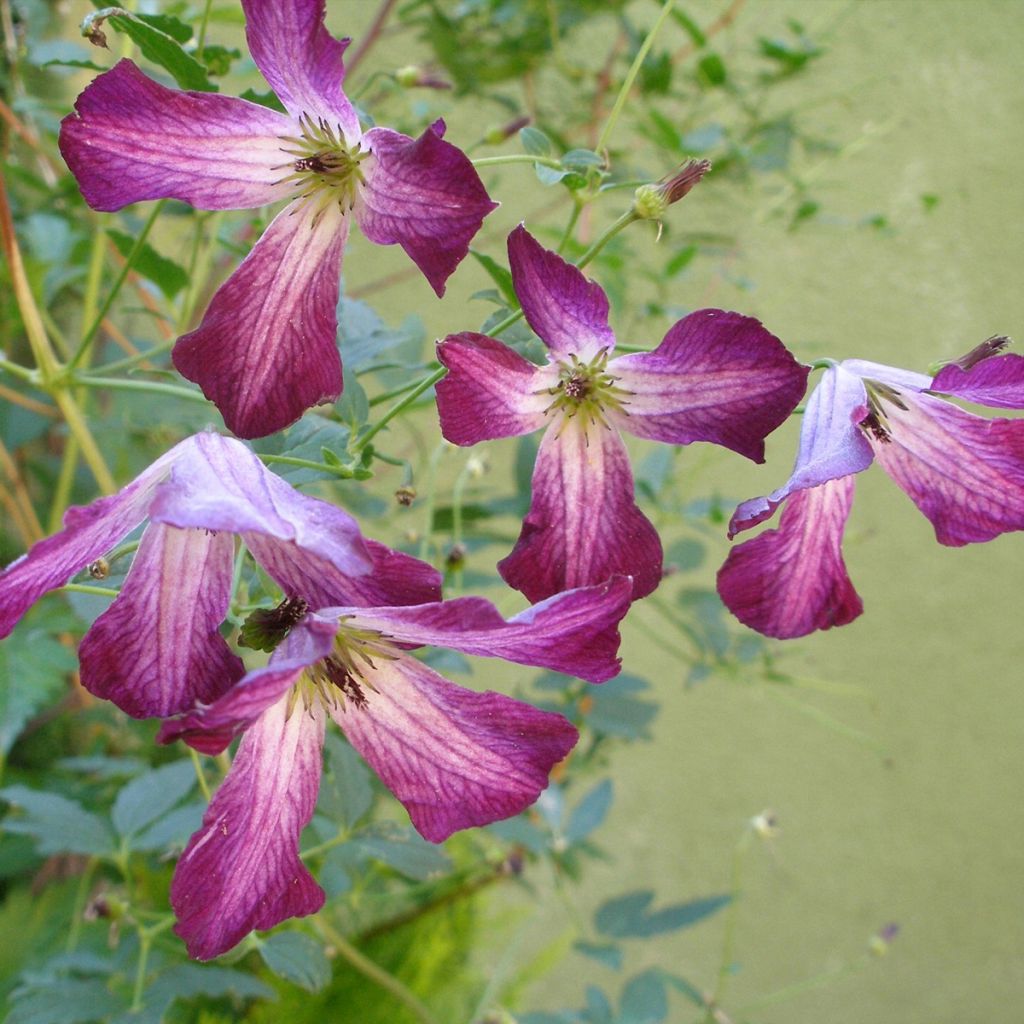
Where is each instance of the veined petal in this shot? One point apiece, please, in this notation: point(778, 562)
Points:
point(423, 195)
point(792, 580)
point(131, 138)
point(895, 376)
point(89, 531)
point(583, 526)
point(717, 376)
point(210, 729)
point(566, 311)
point(453, 757)
point(490, 391)
point(964, 472)
point(241, 871)
point(832, 445)
point(265, 351)
point(157, 649)
point(301, 60)
point(997, 381)
point(224, 486)
point(574, 632)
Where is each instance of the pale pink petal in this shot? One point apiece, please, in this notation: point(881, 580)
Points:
point(566, 311)
point(895, 376)
point(241, 871)
point(301, 60)
point(717, 376)
point(490, 390)
point(157, 649)
point(964, 472)
point(583, 526)
point(265, 351)
point(424, 195)
point(792, 580)
point(453, 757)
point(997, 381)
point(131, 138)
point(574, 632)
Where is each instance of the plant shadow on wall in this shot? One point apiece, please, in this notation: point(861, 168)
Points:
point(183, 611)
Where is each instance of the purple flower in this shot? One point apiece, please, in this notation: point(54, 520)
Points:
point(717, 377)
point(454, 757)
point(964, 472)
point(265, 350)
point(157, 649)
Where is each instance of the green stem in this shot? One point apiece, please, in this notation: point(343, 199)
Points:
point(200, 774)
point(634, 70)
point(90, 334)
point(65, 481)
point(84, 588)
point(201, 37)
point(343, 472)
point(739, 857)
point(626, 219)
point(87, 380)
point(806, 985)
point(129, 361)
point(375, 972)
point(517, 158)
point(19, 371)
point(431, 499)
point(398, 407)
point(574, 216)
point(138, 990)
point(78, 909)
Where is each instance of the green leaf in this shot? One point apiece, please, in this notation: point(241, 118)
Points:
point(173, 829)
point(63, 1001)
point(590, 812)
point(166, 51)
point(345, 793)
point(218, 59)
point(500, 275)
point(186, 981)
point(535, 142)
point(690, 27)
point(164, 273)
point(353, 406)
point(177, 30)
point(629, 916)
point(644, 1000)
point(58, 825)
point(152, 795)
point(406, 852)
point(608, 954)
point(297, 958)
point(711, 70)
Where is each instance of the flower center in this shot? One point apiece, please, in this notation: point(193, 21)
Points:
point(587, 389)
point(876, 423)
point(324, 168)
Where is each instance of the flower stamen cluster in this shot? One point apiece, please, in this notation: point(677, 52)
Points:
point(876, 423)
point(587, 389)
point(342, 670)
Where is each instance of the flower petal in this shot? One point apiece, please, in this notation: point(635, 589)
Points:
point(131, 138)
point(157, 649)
point(997, 381)
point(583, 526)
point(490, 390)
point(210, 729)
point(792, 580)
point(265, 351)
point(241, 871)
point(832, 445)
point(301, 60)
point(225, 487)
point(964, 472)
point(423, 195)
point(566, 311)
point(574, 632)
point(89, 531)
point(453, 757)
point(718, 377)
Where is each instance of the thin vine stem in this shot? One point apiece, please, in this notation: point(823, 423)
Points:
point(517, 158)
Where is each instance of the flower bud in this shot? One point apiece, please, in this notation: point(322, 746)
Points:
point(651, 201)
point(499, 133)
point(412, 76)
point(405, 495)
point(883, 939)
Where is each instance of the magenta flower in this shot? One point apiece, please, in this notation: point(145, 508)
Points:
point(716, 376)
point(157, 649)
point(964, 472)
point(265, 350)
point(454, 757)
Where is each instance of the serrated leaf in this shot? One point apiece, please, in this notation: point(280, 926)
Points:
point(590, 812)
point(500, 275)
point(535, 142)
point(629, 916)
point(151, 795)
point(58, 825)
point(186, 981)
point(63, 1001)
point(165, 51)
point(164, 273)
point(297, 958)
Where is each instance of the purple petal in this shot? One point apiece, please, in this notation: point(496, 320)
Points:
point(241, 871)
point(490, 391)
point(423, 195)
point(718, 377)
point(894, 376)
point(453, 757)
point(157, 649)
point(964, 472)
point(210, 729)
point(832, 445)
point(566, 311)
point(131, 138)
point(89, 531)
point(265, 351)
point(583, 526)
point(574, 632)
point(301, 60)
point(997, 381)
point(792, 580)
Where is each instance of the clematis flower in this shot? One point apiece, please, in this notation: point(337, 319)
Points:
point(265, 350)
point(454, 757)
point(157, 649)
point(964, 472)
point(716, 376)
